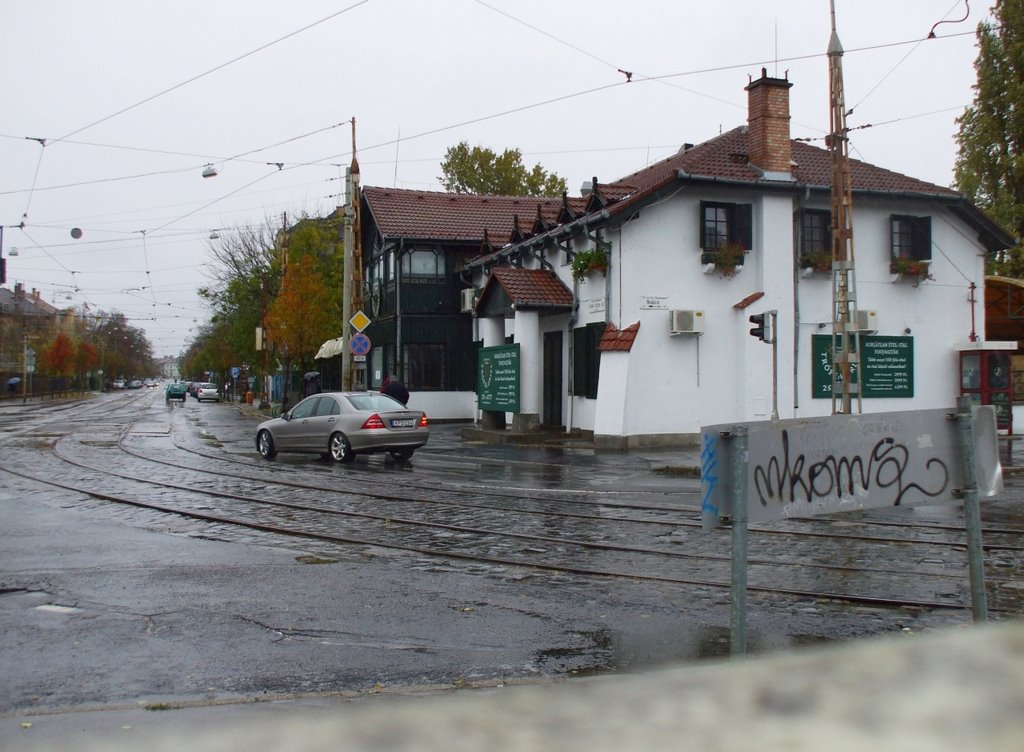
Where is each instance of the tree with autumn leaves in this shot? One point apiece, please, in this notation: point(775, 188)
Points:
point(288, 281)
point(64, 357)
point(304, 314)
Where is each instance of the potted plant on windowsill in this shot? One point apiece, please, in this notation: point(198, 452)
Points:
point(818, 261)
point(591, 260)
point(727, 260)
point(906, 268)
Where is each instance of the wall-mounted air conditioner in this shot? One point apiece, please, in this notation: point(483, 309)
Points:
point(686, 322)
point(867, 321)
point(468, 300)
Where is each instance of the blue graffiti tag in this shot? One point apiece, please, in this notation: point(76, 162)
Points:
point(708, 477)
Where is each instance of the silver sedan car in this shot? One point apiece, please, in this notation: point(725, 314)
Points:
point(340, 425)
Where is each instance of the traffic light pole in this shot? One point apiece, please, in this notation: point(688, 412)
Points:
point(775, 364)
point(765, 327)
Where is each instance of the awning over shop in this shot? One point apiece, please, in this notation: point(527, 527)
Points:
point(330, 348)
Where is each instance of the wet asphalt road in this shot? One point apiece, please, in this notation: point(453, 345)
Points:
point(106, 607)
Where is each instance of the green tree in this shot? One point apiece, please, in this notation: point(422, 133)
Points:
point(990, 161)
point(480, 170)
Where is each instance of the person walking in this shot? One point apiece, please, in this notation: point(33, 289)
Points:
point(395, 389)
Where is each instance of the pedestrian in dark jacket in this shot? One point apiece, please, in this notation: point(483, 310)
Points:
point(395, 389)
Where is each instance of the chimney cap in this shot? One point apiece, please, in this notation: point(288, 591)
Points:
point(766, 80)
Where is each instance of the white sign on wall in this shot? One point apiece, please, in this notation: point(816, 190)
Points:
point(595, 305)
point(653, 303)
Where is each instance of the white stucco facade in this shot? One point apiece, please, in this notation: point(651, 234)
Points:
point(666, 386)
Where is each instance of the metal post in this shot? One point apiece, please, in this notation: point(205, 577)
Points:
point(774, 315)
point(975, 561)
point(738, 621)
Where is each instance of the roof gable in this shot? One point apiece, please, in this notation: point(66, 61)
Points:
point(512, 288)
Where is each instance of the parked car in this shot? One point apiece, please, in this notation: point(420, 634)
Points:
point(207, 392)
point(340, 425)
point(135, 384)
point(175, 391)
point(118, 383)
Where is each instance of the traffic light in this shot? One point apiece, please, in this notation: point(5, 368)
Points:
point(762, 327)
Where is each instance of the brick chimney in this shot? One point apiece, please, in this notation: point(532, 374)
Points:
point(768, 125)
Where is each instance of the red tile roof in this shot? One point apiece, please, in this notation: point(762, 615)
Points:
point(432, 215)
point(726, 157)
point(618, 339)
point(529, 288)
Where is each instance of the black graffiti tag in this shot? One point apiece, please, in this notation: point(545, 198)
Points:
point(792, 479)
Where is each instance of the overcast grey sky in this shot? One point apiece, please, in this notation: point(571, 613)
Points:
point(278, 82)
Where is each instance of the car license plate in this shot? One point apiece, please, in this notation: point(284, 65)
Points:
point(403, 422)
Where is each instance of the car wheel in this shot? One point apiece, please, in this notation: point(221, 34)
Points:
point(265, 445)
point(401, 454)
point(339, 448)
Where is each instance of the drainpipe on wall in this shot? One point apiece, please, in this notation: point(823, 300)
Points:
point(797, 241)
point(398, 314)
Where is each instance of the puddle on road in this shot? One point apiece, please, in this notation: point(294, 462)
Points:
point(306, 559)
point(608, 651)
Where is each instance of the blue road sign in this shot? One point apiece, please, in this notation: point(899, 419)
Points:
point(360, 344)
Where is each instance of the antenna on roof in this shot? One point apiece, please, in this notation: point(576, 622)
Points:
point(398, 140)
point(776, 47)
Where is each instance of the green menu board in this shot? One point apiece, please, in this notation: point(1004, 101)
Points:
point(497, 378)
point(887, 364)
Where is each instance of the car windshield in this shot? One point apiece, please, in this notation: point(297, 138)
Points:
point(208, 386)
point(373, 401)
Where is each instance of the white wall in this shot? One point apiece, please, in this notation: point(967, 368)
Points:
point(676, 384)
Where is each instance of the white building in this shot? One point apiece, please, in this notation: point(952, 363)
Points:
point(658, 343)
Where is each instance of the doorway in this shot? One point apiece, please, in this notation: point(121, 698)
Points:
point(552, 416)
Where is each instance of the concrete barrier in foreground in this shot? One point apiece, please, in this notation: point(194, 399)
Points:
point(952, 690)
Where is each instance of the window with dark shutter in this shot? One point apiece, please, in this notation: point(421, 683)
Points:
point(723, 224)
point(911, 237)
point(586, 359)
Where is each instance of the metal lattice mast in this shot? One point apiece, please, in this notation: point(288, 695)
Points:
point(845, 334)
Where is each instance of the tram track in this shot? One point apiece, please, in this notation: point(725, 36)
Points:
point(503, 546)
point(528, 555)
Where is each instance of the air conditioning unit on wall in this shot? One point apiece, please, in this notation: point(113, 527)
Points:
point(867, 321)
point(686, 322)
point(468, 300)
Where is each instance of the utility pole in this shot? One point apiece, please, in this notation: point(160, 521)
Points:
point(845, 334)
point(352, 278)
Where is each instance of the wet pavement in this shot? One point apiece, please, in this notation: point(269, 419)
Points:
point(112, 611)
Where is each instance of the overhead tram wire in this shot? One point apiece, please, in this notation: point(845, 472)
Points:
point(191, 168)
point(629, 74)
point(331, 159)
point(195, 78)
point(931, 35)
